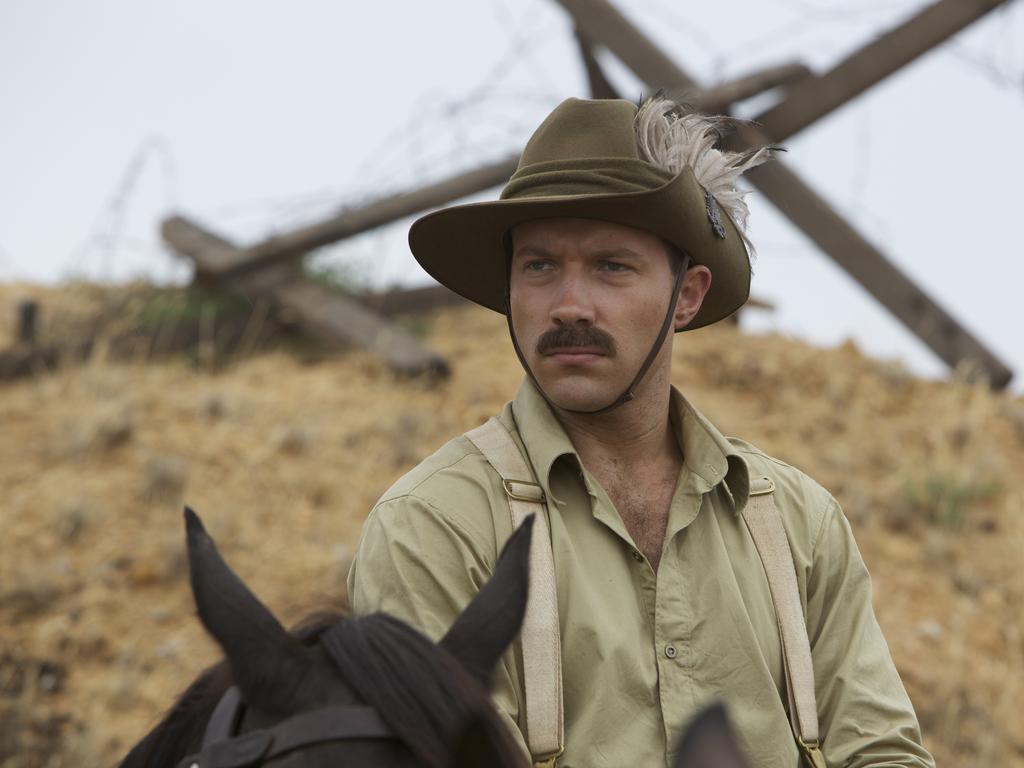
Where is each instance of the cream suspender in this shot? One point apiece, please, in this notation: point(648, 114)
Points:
point(765, 525)
point(541, 637)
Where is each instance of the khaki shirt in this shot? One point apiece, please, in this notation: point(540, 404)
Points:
point(643, 651)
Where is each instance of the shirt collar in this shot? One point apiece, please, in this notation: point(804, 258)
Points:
point(709, 456)
point(707, 453)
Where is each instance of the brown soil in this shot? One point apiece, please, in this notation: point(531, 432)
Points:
point(283, 460)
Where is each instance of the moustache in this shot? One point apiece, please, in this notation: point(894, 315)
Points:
point(569, 336)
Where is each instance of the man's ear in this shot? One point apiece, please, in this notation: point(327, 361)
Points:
point(696, 284)
point(492, 619)
point(266, 661)
point(709, 742)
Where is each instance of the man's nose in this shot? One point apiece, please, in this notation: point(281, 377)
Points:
point(572, 302)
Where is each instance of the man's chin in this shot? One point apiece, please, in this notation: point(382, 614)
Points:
point(577, 396)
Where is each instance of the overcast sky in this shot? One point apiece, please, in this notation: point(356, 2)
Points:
point(256, 116)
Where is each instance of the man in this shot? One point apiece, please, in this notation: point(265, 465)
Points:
point(618, 226)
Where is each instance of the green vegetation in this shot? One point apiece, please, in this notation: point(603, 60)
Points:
point(336, 276)
point(944, 498)
point(181, 305)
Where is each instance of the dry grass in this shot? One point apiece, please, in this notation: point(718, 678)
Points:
point(283, 460)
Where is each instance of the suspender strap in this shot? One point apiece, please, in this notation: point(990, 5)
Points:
point(765, 525)
point(541, 636)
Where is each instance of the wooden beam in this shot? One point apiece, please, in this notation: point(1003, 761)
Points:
point(714, 99)
point(600, 86)
point(413, 301)
point(325, 312)
point(293, 245)
point(812, 99)
point(604, 24)
point(719, 98)
point(889, 286)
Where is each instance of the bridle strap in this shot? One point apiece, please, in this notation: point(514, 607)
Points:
point(630, 392)
point(222, 749)
point(226, 717)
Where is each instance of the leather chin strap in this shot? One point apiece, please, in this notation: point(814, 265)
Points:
point(630, 391)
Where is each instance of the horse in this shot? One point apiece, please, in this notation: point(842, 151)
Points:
point(359, 690)
point(364, 690)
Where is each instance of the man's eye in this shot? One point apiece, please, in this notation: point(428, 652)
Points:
point(537, 265)
point(614, 266)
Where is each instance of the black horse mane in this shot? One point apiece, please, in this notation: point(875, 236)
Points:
point(421, 691)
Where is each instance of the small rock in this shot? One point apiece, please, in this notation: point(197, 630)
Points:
point(160, 615)
point(168, 650)
point(112, 429)
point(51, 677)
point(213, 407)
point(72, 519)
point(121, 695)
point(165, 479)
point(35, 595)
point(967, 583)
point(292, 440)
point(930, 629)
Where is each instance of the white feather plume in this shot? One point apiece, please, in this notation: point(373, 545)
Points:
point(671, 137)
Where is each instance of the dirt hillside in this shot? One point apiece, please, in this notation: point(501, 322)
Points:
point(283, 460)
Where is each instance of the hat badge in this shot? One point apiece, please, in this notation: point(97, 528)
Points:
point(711, 206)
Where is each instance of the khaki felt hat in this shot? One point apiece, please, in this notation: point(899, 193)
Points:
point(583, 162)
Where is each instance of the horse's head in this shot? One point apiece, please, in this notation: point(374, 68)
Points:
point(371, 690)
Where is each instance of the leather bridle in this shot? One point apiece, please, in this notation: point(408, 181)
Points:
point(222, 748)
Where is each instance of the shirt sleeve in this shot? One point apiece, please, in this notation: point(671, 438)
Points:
point(423, 566)
point(865, 715)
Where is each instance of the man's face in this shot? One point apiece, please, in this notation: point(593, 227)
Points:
point(588, 299)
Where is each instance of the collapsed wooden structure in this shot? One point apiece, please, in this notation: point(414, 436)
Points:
point(262, 269)
point(266, 271)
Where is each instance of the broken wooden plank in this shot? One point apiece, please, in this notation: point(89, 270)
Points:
point(812, 99)
point(322, 311)
point(866, 264)
point(601, 22)
point(413, 301)
point(600, 86)
point(714, 99)
point(719, 98)
point(28, 321)
point(291, 246)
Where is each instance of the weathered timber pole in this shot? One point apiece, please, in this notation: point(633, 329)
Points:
point(600, 86)
point(317, 309)
point(720, 97)
point(713, 99)
point(812, 99)
point(28, 322)
point(929, 321)
point(602, 23)
point(293, 245)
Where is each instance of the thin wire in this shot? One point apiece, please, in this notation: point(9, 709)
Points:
point(999, 59)
point(108, 227)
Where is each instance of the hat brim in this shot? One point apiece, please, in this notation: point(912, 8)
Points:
point(462, 247)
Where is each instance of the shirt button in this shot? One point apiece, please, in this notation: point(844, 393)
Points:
point(637, 556)
point(670, 651)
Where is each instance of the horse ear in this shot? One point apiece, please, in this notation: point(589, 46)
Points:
point(709, 742)
point(264, 658)
point(491, 621)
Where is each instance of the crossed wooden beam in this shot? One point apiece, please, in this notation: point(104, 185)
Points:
point(809, 99)
point(266, 270)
